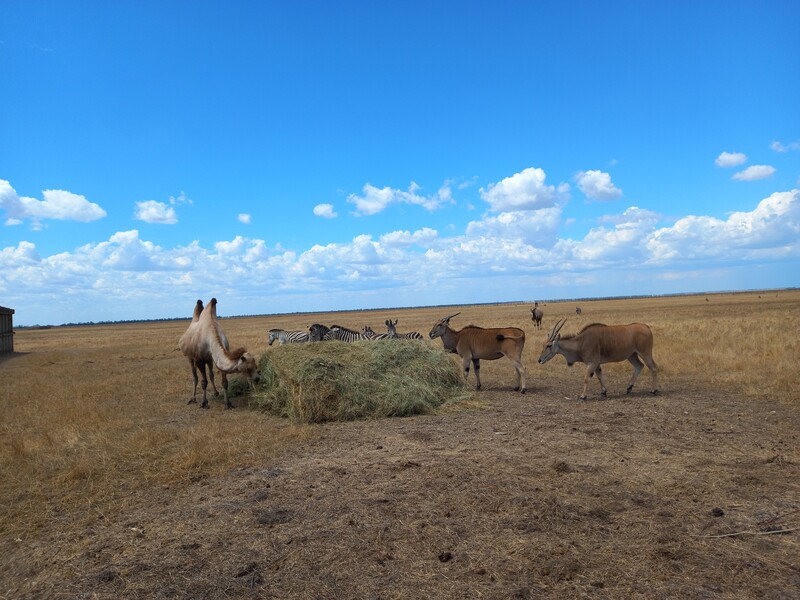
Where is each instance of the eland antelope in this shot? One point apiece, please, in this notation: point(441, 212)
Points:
point(597, 344)
point(475, 343)
point(536, 315)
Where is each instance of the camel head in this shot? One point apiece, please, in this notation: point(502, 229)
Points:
point(246, 365)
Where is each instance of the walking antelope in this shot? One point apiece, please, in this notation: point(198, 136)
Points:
point(392, 332)
point(287, 337)
point(536, 315)
point(475, 343)
point(597, 344)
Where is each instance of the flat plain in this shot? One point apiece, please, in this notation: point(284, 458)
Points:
point(111, 486)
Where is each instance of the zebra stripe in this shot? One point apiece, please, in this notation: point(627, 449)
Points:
point(318, 333)
point(343, 334)
point(369, 333)
point(287, 337)
point(392, 327)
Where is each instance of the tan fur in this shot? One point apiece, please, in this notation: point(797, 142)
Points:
point(597, 344)
point(473, 344)
point(205, 345)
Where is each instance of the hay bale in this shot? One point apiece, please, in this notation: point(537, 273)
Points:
point(336, 381)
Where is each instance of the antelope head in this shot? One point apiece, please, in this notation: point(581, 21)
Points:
point(551, 345)
point(441, 326)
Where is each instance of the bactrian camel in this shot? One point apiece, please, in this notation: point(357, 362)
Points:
point(205, 345)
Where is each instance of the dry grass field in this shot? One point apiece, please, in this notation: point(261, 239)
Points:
point(112, 487)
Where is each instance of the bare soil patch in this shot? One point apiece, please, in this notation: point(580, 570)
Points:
point(534, 496)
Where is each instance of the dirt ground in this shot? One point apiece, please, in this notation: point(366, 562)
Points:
point(688, 494)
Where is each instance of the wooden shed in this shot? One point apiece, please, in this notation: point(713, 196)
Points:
point(6, 329)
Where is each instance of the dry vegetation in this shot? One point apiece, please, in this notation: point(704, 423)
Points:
point(111, 486)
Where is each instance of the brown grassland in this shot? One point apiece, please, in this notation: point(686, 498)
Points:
point(112, 487)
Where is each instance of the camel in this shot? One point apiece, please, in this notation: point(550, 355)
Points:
point(205, 344)
point(198, 308)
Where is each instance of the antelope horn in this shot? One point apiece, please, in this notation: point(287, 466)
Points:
point(451, 316)
point(556, 328)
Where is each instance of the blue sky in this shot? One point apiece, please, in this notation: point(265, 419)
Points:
point(312, 156)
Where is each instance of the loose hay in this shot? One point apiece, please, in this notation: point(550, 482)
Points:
point(336, 381)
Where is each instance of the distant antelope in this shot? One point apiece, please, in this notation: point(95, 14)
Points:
point(577, 310)
point(536, 315)
point(597, 344)
point(476, 343)
point(392, 332)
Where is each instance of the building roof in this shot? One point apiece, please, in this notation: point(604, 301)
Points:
point(3, 309)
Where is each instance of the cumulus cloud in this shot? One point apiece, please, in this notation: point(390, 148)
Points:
point(538, 228)
point(57, 205)
point(731, 159)
point(754, 172)
point(243, 218)
point(525, 190)
point(151, 211)
point(403, 239)
point(180, 199)
point(325, 211)
point(596, 185)
point(779, 147)
point(771, 229)
point(499, 254)
point(375, 200)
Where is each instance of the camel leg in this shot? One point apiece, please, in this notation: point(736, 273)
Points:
point(211, 377)
point(228, 403)
point(204, 385)
point(637, 368)
point(193, 399)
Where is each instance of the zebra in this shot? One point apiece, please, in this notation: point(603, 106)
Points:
point(344, 334)
point(287, 337)
point(318, 333)
point(392, 328)
point(366, 330)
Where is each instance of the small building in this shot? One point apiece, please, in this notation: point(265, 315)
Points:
point(6, 329)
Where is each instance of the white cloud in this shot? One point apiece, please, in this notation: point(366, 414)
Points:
point(375, 200)
point(244, 218)
point(754, 172)
point(403, 239)
point(57, 204)
point(501, 257)
point(538, 228)
point(779, 147)
point(524, 191)
point(731, 159)
point(596, 185)
point(151, 211)
point(180, 199)
point(325, 211)
point(772, 229)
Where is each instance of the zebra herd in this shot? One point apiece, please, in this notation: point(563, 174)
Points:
point(318, 333)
